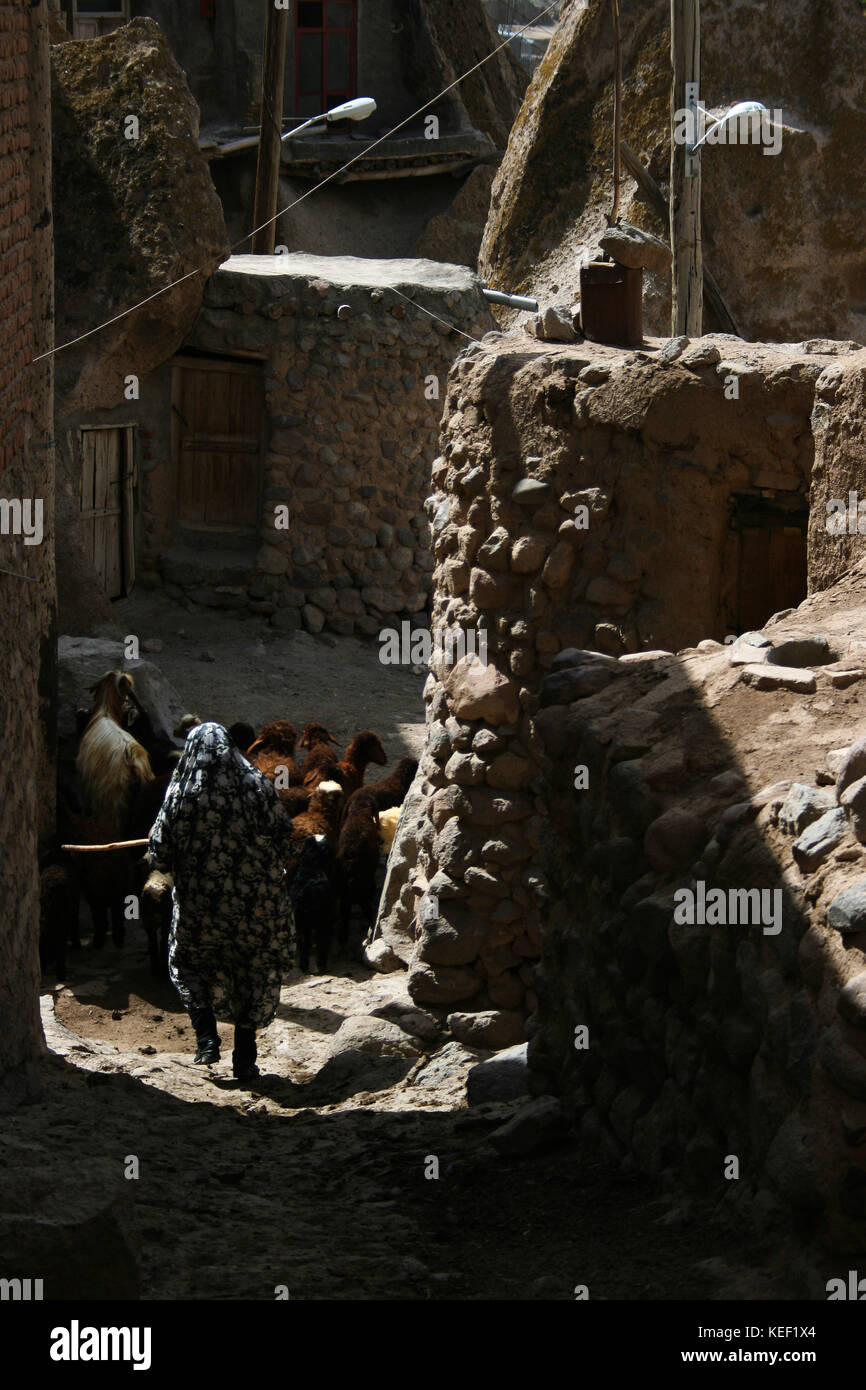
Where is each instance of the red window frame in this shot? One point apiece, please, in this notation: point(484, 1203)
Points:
point(326, 29)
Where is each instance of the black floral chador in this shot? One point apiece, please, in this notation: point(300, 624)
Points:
point(221, 833)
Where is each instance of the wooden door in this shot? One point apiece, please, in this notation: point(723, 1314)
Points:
point(217, 409)
point(107, 505)
point(772, 573)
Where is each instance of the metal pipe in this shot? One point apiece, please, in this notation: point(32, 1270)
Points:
point(512, 301)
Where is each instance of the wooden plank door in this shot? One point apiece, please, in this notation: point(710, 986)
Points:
point(218, 410)
point(772, 573)
point(106, 505)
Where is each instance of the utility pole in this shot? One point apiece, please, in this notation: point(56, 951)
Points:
point(685, 197)
point(268, 167)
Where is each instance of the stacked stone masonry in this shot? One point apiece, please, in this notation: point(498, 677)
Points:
point(354, 378)
point(581, 501)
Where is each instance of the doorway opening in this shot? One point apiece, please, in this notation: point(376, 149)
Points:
point(768, 541)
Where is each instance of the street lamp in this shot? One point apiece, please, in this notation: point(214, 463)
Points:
point(358, 109)
point(742, 108)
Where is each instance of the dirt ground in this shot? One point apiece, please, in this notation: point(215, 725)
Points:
point(302, 1181)
point(307, 1178)
point(228, 667)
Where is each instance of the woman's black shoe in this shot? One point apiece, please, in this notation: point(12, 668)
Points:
point(206, 1036)
point(244, 1054)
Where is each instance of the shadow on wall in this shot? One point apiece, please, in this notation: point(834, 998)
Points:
point(693, 1003)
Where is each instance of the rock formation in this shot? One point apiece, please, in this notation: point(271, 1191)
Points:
point(134, 208)
point(782, 234)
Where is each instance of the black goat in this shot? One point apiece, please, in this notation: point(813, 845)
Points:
point(313, 897)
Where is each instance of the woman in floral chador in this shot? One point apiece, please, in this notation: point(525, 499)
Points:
point(221, 833)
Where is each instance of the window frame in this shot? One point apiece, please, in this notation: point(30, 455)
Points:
point(325, 29)
point(121, 13)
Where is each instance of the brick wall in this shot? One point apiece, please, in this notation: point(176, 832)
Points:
point(16, 344)
point(26, 472)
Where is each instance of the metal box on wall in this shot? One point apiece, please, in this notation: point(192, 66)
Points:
point(611, 303)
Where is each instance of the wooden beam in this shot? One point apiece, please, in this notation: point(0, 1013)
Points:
point(659, 204)
point(268, 167)
point(685, 196)
point(104, 849)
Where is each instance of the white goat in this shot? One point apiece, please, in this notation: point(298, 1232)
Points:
point(110, 761)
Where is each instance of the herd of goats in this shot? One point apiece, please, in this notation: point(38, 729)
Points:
point(340, 827)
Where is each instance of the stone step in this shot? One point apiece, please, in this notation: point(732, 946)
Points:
point(187, 566)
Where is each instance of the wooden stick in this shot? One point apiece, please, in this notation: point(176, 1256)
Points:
point(659, 203)
point(101, 849)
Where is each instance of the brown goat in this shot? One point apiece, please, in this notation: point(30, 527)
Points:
point(321, 760)
point(273, 753)
point(365, 748)
point(391, 790)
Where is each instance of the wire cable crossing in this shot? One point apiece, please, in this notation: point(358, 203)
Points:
point(362, 154)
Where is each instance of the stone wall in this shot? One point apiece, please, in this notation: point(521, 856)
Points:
point(729, 1052)
point(840, 470)
point(581, 499)
point(354, 376)
point(566, 794)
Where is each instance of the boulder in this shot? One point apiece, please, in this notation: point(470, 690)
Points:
point(490, 1028)
point(500, 1078)
point(442, 984)
point(575, 683)
point(819, 839)
point(375, 1036)
point(555, 325)
point(673, 839)
point(803, 805)
point(380, 956)
point(853, 801)
point(852, 767)
point(418, 1022)
point(634, 247)
point(131, 215)
point(476, 690)
point(847, 911)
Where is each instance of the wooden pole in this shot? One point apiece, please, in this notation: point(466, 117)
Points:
point(268, 167)
point(685, 199)
point(617, 111)
point(725, 321)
